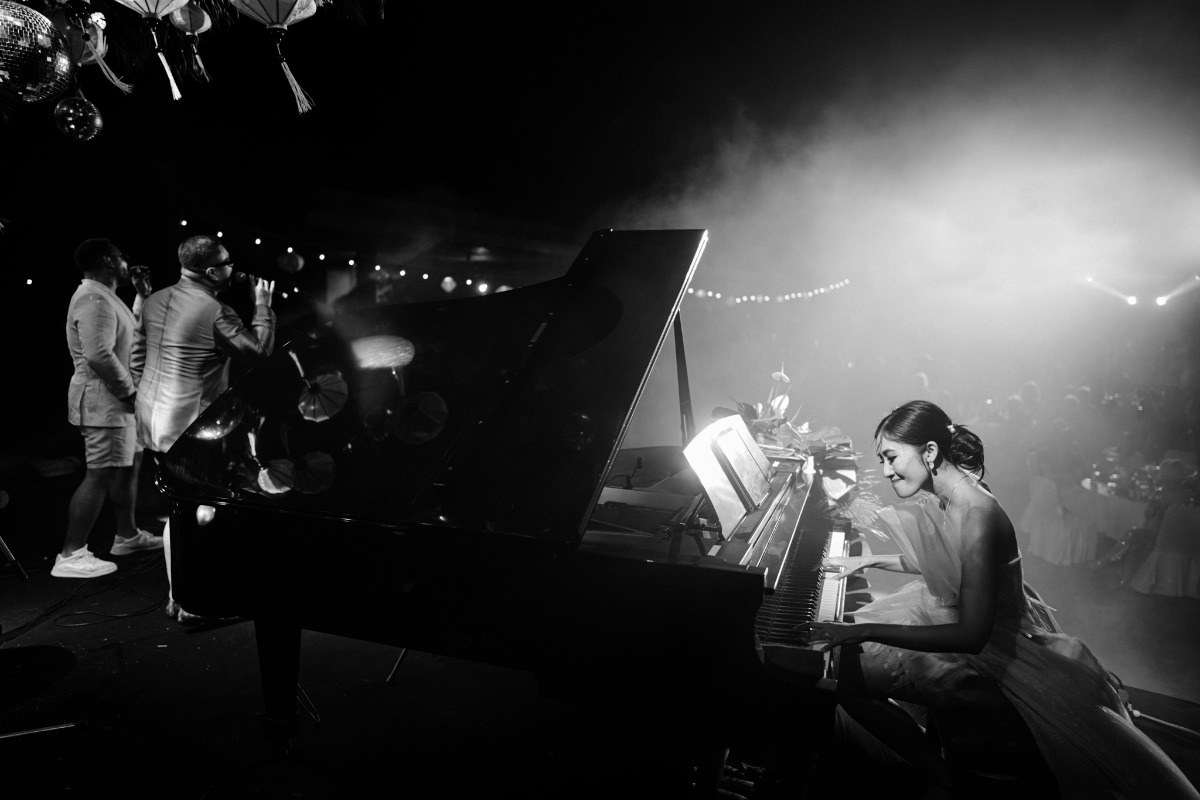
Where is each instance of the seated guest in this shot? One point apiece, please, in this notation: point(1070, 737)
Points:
point(1171, 486)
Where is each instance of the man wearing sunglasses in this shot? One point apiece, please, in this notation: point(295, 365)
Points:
point(100, 404)
point(184, 347)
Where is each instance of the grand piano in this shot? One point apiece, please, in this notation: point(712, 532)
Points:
point(451, 477)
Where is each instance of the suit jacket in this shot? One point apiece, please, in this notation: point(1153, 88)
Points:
point(100, 337)
point(183, 347)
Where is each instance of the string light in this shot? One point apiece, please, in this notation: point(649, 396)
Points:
point(274, 242)
point(807, 294)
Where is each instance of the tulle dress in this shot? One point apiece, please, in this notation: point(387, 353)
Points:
point(1066, 697)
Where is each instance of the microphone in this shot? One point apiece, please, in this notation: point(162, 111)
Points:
point(243, 277)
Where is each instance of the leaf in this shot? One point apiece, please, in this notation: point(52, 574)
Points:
point(779, 404)
point(748, 411)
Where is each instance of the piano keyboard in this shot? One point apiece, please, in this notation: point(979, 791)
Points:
point(802, 595)
point(833, 593)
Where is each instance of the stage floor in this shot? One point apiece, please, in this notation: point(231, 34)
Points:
point(155, 709)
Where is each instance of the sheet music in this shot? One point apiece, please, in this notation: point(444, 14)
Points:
point(732, 468)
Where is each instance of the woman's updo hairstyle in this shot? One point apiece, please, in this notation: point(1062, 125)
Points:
point(919, 421)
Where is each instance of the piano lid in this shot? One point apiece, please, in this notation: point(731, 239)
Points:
point(500, 413)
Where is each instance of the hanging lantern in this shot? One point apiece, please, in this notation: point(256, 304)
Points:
point(77, 118)
point(153, 12)
point(277, 15)
point(193, 21)
point(87, 43)
point(35, 61)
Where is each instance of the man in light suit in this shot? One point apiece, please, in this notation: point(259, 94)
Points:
point(184, 347)
point(100, 402)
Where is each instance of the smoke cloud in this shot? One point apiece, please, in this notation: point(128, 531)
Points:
point(966, 208)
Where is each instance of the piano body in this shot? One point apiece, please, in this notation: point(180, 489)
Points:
point(440, 477)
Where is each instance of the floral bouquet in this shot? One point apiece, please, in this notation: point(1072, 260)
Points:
point(775, 433)
point(847, 498)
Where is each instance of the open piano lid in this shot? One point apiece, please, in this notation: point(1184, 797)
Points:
point(500, 413)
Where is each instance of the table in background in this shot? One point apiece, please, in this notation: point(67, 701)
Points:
point(1100, 511)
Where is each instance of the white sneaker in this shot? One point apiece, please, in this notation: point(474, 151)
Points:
point(145, 540)
point(81, 564)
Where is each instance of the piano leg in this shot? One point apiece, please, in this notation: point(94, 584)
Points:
point(279, 668)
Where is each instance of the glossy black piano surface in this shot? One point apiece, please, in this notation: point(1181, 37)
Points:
point(436, 476)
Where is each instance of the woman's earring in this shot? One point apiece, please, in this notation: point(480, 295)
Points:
point(933, 469)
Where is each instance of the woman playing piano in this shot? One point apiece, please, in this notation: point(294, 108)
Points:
point(969, 625)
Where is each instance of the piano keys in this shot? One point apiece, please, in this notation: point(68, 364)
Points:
point(456, 501)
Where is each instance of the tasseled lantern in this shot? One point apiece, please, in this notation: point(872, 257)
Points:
point(193, 21)
point(88, 43)
point(153, 12)
point(277, 15)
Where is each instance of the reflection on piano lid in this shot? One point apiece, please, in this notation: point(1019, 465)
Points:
point(415, 418)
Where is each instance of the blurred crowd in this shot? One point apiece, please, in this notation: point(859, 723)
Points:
point(1134, 444)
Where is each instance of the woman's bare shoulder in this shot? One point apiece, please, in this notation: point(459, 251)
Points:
point(984, 517)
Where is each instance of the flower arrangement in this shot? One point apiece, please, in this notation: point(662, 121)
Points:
point(774, 431)
point(781, 436)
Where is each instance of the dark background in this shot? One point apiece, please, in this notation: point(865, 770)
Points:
point(961, 165)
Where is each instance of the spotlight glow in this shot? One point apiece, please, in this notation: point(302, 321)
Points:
point(1183, 288)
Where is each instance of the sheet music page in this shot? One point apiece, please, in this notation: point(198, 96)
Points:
point(732, 469)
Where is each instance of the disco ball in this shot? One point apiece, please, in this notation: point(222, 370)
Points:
point(35, 60)
point(78, 118)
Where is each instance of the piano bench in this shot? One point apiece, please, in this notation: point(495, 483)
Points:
point(990, 751)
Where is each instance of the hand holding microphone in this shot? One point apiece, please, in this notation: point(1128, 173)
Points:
point(140, 278)
point(262, 288)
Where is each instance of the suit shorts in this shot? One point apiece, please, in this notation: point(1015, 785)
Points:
point(109, 447)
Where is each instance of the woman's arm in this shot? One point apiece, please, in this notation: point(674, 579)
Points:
point(982, 533)
point(844, 566)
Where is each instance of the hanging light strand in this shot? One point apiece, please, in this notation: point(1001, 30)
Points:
point(739, 299)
